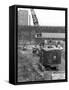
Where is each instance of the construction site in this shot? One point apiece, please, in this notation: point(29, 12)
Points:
point(41, 49)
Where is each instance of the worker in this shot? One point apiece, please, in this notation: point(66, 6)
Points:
point(59, 45)
point(50, 44)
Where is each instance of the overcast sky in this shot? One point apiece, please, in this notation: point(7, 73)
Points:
point(48, 17)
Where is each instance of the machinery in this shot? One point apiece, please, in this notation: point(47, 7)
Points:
point(50, 57)
point(35, 20)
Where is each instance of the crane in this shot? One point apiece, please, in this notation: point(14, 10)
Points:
point(34, 17)
point(36, 23)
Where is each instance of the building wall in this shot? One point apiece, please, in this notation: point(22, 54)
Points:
point(22, 17)
point(27, 33)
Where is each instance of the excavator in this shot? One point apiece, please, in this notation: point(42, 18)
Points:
point(50, 56)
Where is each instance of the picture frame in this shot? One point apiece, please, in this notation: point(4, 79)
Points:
point(26, 66)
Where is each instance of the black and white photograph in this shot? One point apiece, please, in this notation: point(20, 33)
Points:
point(40, 45)
point(34, 44)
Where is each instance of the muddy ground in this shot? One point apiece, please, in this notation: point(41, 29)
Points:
point(30, 70)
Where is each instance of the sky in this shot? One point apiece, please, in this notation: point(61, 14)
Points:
point(47, 17)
